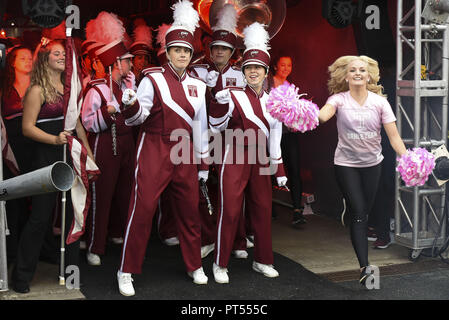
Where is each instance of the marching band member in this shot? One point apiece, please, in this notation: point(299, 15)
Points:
point(244, 175)
point(141, 48)
point(110, 139)
point(165, 217)
point(170, 107)
point(218, 74)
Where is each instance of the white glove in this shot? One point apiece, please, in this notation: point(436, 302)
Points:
point(211, 78)
point(203, 174)
point(130, 80)
point(282, 181)
point(129, 97)
point(223, 96)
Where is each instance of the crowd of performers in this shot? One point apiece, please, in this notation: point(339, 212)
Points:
point(131, 109)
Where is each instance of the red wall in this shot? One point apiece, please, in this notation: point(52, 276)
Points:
point(314, 45)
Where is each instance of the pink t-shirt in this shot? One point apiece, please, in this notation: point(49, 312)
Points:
point(359, 128)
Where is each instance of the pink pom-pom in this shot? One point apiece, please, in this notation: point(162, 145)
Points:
point(415, 166)
point(284, 104)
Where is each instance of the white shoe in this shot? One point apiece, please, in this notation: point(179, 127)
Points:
point(116, 240)
point(93, 259)
point(83, 245)
point(174, 241)
point(249, 243)
point(198, 276)
point(266, 269)
point(240, 254)
point(220, 274)
point(205, 250)
point(125, 284)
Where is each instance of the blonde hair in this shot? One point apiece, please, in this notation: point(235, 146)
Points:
point(339, 69)
point(40, 75)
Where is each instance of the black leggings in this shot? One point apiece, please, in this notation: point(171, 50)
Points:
point(359, 186)
point(291, 159)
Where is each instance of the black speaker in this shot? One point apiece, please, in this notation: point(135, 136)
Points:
point(373, 33)
point(339, 13)
point(45, 13)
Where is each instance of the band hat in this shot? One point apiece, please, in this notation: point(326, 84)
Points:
point(256, 40)
point(143, 39)
point(180, 37)
point(223, 38)
point(185, 21)
point(140, 48)
point(256, 56)
point(112, 52)
point(223, 31)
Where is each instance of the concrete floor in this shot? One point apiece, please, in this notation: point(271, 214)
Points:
point(322, 246)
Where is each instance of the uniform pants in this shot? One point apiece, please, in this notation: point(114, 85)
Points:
point(209, 222)
point(239, 183)
point(112, 189)
point(17, 211)
point(153, 173)
point(166, 223)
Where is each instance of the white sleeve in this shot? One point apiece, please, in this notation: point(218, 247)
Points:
point(200, 132)
point(218, 120)
point(145, 96)
point(274, 143)
point(91, 114)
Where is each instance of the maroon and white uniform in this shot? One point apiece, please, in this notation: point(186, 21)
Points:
point(111, 191)
point(243, 174)
point(230, 76)
point(172, 113)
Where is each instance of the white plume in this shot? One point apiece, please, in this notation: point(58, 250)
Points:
point(256, 37)
point(142, 33)
point(227, 19)
point(184, 15)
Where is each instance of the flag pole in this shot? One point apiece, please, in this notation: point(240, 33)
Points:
point(63, 204)
point(64, 193)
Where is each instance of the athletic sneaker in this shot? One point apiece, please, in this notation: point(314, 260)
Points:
point(382, 243)
point(298, 218)
point(363, 276)
point(371, 234)
point(205, 250)
point(220, 274)
point(266, 269)
point(240, 254)
point(198, 276)
point(174, 241)
point(125, 284)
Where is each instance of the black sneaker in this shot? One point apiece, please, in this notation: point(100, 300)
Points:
point(363, 276)
point(21, 287)
point(298, 218)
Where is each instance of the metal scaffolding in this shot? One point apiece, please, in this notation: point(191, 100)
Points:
point(422, 111)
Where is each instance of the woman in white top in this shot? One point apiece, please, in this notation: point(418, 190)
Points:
point(361, 109)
